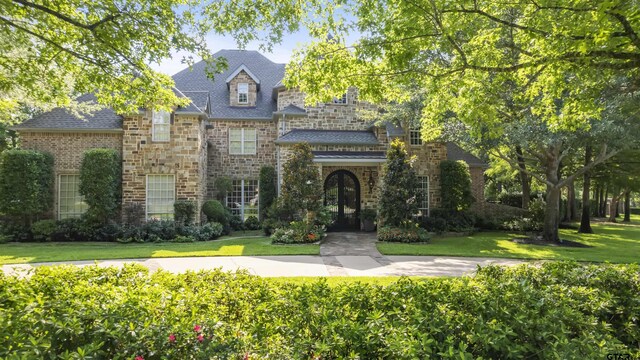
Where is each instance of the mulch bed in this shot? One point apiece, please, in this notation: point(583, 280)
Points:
point(539, 240)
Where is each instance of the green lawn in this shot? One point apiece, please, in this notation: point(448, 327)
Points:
point(616, 243)
point(16, 253)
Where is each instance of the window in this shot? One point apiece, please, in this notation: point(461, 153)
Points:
point(242, 141)
point(70, 203)
point(423, 193)
point(161, 191)
point(160, 126)
point(340, 100)
point(243, 199)
point(243, 93)
point(415, 138)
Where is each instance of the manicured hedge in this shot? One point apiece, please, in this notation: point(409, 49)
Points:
point(101, 183)
point(268, 191)
point(554, 311)
point(455, 181)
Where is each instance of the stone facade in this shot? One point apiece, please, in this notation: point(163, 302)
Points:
point(223, 164)
point(68, 149)
point(242, 77)
point(477, 183)
point(182, 156)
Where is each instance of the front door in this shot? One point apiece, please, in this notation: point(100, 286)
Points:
point(342, 196)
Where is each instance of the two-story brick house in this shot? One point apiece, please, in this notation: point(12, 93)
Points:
point(236, 123)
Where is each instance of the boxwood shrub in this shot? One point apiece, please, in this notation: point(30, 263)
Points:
point(550, 311)
point(405, 234)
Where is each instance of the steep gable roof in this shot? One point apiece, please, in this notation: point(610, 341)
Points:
point(269, 73)
point(455, 152)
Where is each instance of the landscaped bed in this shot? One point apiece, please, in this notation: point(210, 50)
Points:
point(557, 310)
point(618, 243)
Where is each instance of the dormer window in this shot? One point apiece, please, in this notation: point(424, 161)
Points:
point(160, 126)
point(243, 93)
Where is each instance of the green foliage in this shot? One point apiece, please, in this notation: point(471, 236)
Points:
point(455, 181)
point(252, 223)
point(399, 197)
point(101, 183)
point(43, 230)
point(268, 191)
point(26, 184)
point(520, 312)
point(168, 230)
point(302, 187)
point(368, 214)
point(441, 220)
point(235, 221)
point(184, 212)
point(215, 211)
point(298, 232)
point(223, 186)
point(410, 233)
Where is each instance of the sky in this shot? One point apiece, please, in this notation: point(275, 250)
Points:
point(281, 52)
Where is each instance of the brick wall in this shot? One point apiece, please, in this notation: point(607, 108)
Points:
point(223, 164)
point(242, 77)
point(182, 156)
point(477, 183)
point(68, 149)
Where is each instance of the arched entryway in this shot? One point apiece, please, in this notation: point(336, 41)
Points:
point(342, 196)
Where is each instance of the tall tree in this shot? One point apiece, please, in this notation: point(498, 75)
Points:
point(398, 197)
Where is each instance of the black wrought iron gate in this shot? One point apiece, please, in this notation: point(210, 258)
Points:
point(342, 196)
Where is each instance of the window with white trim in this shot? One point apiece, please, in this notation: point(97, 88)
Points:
point(243, 93)
point(341, 100)
point(243, 198)
point(415, 138)
point(161, 194)
point(423, 194)
point(242, 141)
point(70, 203)
point(160, 126)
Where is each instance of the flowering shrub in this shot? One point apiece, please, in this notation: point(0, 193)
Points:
point(405, 234)
point(298, 232)
point(550, 310)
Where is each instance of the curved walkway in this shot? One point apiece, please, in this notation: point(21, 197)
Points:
point(341, 254)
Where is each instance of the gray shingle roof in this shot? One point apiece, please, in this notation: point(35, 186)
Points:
point(199, 101)
point(328, 137)
point(61, 119)
point(268, 72)
point(394, 130)
point(292, 110)
point(338, 155)
point(455, 152)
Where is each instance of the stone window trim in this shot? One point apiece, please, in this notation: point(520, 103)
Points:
point(423, 188)
point(68, 190)
point(243, 199)
point(160, 126)
point(243, 141)
point(159, 196)
point(415, 139)
point(243, 93)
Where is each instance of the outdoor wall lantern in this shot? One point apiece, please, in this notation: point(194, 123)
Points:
point(371, 182)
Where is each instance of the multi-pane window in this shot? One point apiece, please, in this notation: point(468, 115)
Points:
point(160, 126)
point(423, 196)
point(414, 137)
point(243, 93)
point(243, 199)
point(340, 100)
point(242, 141)
point(70, 203)
point(161, 192)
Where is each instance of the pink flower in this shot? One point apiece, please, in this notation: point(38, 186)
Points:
point(139, 357)
point(246, 356)
point(172, 338)
point(200, 338)
point(197, 328)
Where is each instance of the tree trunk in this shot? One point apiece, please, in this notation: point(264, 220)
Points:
point(627, 207)
point(605, 201)
point(613, 207)
point(571, 200)
point(551, 216)
point(585, 221)
point(525, 180)
point(596, 198)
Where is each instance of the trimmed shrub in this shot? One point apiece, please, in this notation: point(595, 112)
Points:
point(441, 220)
point(223, 186)
point(543, 311)
point(405, 234)
point(184, 212)
point(134, 213)
point(101, 183)
point(43, 230)
point(301, 183)
point(268, 191)
point(71, 230)
point(215, 211)
point(399, 196)
point(235, 221)
point(209, 231)
point(26, 184)
point(455, 182)
point(252, 223)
